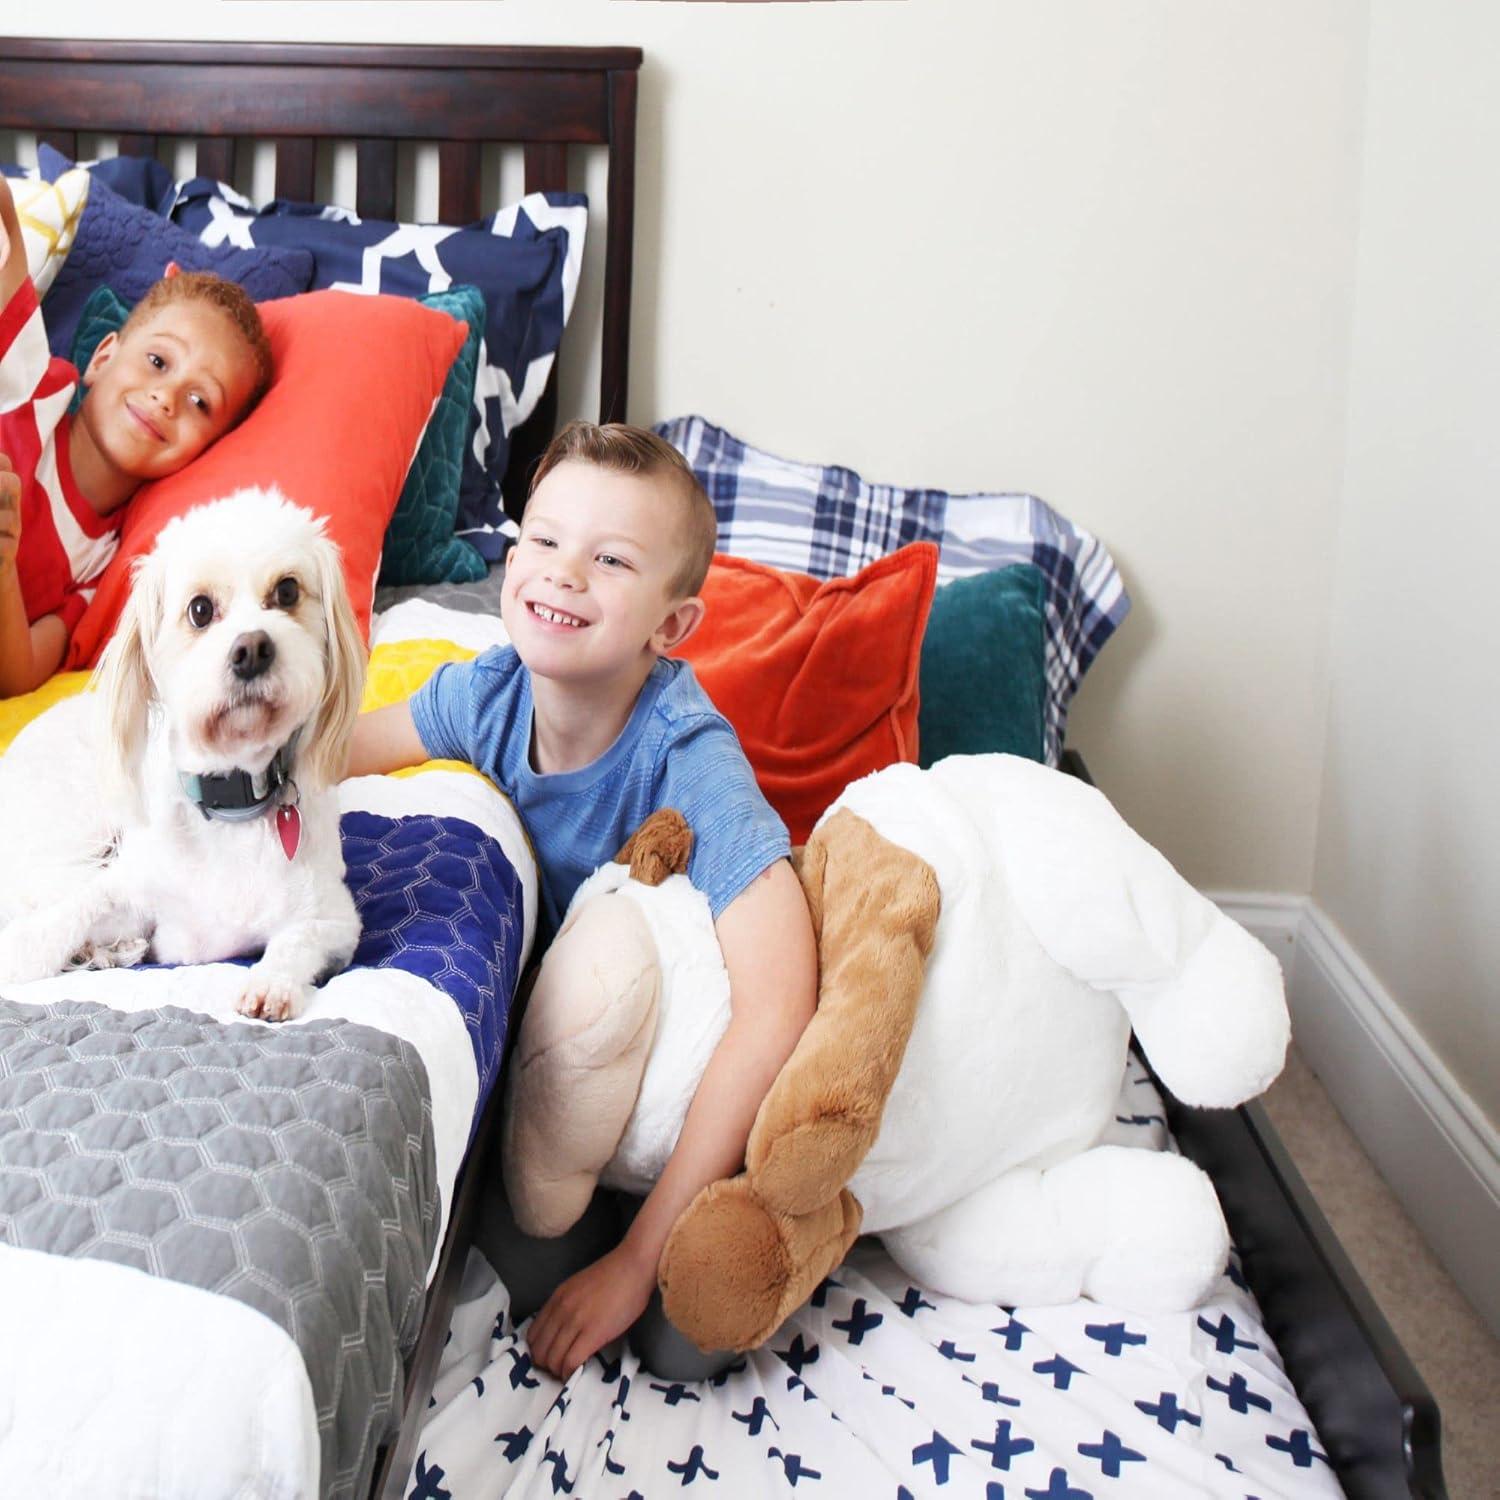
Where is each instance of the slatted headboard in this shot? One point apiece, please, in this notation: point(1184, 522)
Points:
point(227, 96)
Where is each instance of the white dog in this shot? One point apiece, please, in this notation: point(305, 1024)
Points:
point(187, 806)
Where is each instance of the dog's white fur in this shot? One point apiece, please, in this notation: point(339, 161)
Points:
point(104, 854)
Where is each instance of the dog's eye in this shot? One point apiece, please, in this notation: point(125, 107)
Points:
point(288, 592)
point(201, 611)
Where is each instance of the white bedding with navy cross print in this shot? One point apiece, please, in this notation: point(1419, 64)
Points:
point(216, 1235)
point(878, 1388)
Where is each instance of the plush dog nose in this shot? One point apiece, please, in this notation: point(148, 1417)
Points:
point(251, 654)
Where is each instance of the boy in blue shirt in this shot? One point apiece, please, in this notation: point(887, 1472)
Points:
point(589, 728)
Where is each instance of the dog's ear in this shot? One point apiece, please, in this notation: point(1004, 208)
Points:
point(125, 686)
point(325, 756)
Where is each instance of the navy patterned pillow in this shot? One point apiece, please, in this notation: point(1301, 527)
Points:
point(124, 246)
point(524, 260)
point(141, 180)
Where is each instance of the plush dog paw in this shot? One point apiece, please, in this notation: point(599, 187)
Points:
point(733, 1271)
point(271, 997)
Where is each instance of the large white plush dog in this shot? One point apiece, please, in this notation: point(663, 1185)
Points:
point(186, 807)
point(961, 1096)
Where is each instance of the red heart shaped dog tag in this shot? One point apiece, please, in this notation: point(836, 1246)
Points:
point(289, 827)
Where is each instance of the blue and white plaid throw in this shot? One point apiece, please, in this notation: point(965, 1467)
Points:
point(827, 521)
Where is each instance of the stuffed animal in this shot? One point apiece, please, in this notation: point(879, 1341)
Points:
point(990, 933)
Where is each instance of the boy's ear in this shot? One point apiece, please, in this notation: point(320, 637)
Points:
point(171, 269)
point(101, 356)
point(685, 617)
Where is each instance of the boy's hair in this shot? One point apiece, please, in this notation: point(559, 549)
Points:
point(623, 449)
point(231, 299)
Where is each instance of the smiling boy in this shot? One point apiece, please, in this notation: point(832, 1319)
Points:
point(189, 363)
point(589, 728)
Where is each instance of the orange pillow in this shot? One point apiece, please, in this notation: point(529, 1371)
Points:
point(818, 679)
point(354, 383)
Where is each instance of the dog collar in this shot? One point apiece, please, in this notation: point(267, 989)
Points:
point(237, 796)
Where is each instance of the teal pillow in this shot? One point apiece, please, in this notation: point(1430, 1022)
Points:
point(983, 671)
point(420, 546)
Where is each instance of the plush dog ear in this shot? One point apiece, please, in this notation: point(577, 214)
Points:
point(324, 757)
point(126, 688)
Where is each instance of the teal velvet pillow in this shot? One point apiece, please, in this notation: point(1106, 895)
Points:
point(420, 546)
point(983, 671)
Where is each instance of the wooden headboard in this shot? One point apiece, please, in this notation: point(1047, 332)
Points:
point(226, 97)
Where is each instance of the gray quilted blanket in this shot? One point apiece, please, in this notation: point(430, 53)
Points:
point(290, 1168)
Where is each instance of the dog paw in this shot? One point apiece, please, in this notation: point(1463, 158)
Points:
point(271, 997)
point(122, 954)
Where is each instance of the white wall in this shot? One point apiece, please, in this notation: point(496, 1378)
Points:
point(1408, 850)
point(1099, 249)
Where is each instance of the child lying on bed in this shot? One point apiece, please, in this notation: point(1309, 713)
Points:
point(190, 362)
point(588, 727)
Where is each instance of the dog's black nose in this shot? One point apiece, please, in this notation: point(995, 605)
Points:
point(251, 654)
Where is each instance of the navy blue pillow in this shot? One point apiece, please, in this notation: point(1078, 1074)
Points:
point(127, 247)
point(524, 261)
point(141, 180)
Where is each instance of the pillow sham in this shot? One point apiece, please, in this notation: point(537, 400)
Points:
point(49, 213)
point(123, 246)
point(525, 260)
point(984, 668)
point(355, 379)
point(141, 180)
point(829, 522)
point(819, 679)
point(419, 546)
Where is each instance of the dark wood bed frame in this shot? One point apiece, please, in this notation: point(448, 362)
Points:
point(1377, 1420)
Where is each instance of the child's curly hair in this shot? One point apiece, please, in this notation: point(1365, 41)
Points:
point(231, 299)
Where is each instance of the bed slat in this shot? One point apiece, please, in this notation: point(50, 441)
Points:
point(375, 185)
point(458, 182)
point(619, 250)
point(136, 145)
point(296, 166)
point(216, 158)
point(547, 167)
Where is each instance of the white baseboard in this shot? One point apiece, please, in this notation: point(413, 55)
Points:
point(1425, 1135)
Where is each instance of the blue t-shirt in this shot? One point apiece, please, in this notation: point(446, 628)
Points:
point(677, 750)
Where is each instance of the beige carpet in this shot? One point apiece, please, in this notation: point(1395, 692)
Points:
point(1456, 1354)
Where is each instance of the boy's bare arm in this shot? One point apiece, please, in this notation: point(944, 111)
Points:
point(771, 955)
point(385, 740)
point(29, 654)
point(12, 246)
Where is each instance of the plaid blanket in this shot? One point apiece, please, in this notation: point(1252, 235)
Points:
point(827, 521)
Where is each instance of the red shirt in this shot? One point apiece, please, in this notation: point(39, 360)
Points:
point(65, 544)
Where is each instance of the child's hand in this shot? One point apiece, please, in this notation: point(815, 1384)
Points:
point(10, 512)
point(588, 1310)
